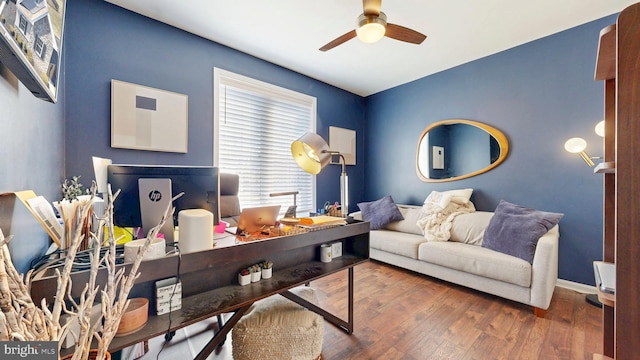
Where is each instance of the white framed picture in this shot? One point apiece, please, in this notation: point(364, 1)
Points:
point(144, 118)
point(343, 141)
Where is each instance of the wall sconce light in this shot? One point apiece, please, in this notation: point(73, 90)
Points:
point(577, 145)
point(312, 154)
point(600, 128)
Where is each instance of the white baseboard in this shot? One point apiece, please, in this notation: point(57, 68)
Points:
point(581, 288)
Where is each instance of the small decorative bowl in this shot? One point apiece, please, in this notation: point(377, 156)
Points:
point(134, 318)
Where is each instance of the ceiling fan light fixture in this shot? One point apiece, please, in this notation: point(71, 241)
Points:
point(371, 28)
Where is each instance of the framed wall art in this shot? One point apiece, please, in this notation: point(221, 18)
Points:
point(144, 118)
point(31, 43)
point(344, 141)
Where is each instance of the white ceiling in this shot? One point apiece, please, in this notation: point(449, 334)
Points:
point(290, 32)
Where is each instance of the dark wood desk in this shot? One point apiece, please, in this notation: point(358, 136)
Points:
point(210, 286)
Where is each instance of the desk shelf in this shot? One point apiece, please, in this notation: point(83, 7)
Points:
point(226, 299)
point(209, 278)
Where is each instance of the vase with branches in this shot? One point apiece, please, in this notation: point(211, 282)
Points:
point(23, 320)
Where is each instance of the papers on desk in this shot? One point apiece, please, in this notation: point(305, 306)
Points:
point(41, 209)
point(322, 221)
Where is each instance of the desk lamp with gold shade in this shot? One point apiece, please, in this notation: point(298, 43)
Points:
point(312, 154)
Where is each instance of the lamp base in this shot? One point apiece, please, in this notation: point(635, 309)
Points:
point(593, 300)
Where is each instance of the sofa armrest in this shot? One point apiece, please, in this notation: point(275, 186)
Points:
point(544, 271)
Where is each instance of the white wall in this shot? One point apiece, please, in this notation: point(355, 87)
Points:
point(31, 157)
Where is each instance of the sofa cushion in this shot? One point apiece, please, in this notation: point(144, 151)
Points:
point(409, 224)
point(396, 242)
point(380, 212)
point(469, 228)
point(477, 260)
point(515, 230)
point(460, 196)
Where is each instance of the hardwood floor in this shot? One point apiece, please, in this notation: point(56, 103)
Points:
point(403, 315)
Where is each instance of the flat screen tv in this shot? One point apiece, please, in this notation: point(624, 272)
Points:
point(200, 184)
point(31, 43)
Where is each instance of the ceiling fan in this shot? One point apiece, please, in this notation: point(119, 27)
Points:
point(373, 25)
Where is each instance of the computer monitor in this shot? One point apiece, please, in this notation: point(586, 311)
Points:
point(200, 185)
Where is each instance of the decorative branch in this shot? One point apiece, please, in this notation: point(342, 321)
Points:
point(21, 319)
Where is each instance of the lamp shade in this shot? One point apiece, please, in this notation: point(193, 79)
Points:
point(600, 128)
point(575, 145)
point(310, 152)
point(371, 28)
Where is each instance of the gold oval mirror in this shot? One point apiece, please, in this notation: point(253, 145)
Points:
point(457, 149)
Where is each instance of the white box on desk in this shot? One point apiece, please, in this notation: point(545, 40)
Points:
point(168, 295)
point(166, 306)
point(336, 249)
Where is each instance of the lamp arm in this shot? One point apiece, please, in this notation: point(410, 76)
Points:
point(294, 193)
point(344, 183)
point(586, 158)
point(343, 161)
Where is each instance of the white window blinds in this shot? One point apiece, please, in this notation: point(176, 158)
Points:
point(255, 124)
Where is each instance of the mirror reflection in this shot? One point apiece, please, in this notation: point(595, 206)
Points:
point(456, 149)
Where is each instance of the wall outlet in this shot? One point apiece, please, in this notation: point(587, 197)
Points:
point(336, 249)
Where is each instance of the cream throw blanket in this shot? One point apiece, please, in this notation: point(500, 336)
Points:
point(438, 213)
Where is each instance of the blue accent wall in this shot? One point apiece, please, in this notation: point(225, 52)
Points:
point(105, 42)
point(539, 94)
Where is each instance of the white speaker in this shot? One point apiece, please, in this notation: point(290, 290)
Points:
point(196, 230)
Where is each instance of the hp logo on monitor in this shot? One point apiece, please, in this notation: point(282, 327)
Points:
point(155, 195)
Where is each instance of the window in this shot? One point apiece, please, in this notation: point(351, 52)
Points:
point(254, 126)
point(22, 25)
point(38, 47)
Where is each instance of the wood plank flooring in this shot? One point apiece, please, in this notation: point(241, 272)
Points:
point(403, 315)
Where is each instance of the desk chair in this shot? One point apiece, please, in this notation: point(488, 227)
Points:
point(229, 201)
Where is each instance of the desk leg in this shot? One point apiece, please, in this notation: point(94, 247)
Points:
point(350, 330)
point(347, 326)
point(221, 335)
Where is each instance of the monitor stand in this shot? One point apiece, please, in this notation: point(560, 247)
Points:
point(155, 196)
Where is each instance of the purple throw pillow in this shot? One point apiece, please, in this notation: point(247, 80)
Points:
point(380, 212)
point(515, 230)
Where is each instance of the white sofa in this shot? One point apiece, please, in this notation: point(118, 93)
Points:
point(463, 261)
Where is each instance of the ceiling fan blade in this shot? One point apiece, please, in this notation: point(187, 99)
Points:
point(371, 7)
point(339, 40)
point(404, 34)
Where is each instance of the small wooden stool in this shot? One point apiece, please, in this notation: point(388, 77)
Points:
point(277, 328)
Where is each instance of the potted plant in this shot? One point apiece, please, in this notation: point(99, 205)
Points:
point(255, 273)
point(267, 267)
point(72, 189)
point(244, 277)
